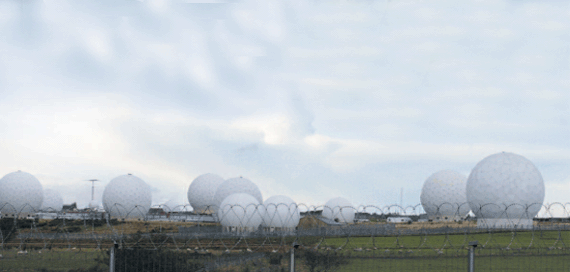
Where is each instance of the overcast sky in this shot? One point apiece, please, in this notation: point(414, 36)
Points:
point(309, 99)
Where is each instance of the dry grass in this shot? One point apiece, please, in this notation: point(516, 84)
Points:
point(310, 223)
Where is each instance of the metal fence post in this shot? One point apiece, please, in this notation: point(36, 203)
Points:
point(472, 246)
point(112, 258)
point(292, 265)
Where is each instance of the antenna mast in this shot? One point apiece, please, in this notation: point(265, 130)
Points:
point(92, 188)
point(402, 199)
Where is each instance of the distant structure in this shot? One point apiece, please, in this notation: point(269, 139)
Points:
point(127, 197)
point(201, 193)
point(339, 210)
point(53, 202)
point(93, 205)
point(237, 185)
point(69, 207)
point(240, 213)
point(444, 197)
point(400, 220)
point(281, 213)
point(505, 190)
point(21, 194)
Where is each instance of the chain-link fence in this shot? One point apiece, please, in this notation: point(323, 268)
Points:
point(367, 238)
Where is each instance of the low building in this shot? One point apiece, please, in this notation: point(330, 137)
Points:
point(399, 220)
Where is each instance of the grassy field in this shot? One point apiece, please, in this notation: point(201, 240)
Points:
point(459, 263)
point(506, 239)
point(52, 260)
point(497, 251)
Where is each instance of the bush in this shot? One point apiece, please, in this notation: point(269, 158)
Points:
point(8, 227)
point(321, 261)
point(141, 260)
point(275, 258)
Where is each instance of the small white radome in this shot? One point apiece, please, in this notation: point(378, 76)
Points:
point(201, 192)
point(339, 210)
point(127, 197)
point(53, 202)
point(281, 212)
point(237, 185)
point(94, 204)
point(240, 210)
point(443, 195)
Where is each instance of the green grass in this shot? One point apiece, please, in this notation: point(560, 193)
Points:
point(512, 240)
point(498, 251)
point(482, 263)
point(48, 260)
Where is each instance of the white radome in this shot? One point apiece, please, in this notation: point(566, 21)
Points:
point(281, 212)
point(127, 197)
point(444, 196)
point(53, 202)
point(340, 210)
point(236, 185)
point(201, 192)
point(20, 193)
point(505, 186)
point(241, 211)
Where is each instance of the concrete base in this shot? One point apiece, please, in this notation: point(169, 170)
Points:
point(445, 218)
point(502, 223)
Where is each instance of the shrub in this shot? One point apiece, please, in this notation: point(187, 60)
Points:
point(321, 261)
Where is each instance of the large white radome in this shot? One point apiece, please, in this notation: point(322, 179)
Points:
point(241, 211)
point(236, 185)
point(340, 210)
point(53, 202)
point(281, 212)
point(20, 193)
point(201, 192)
point(444, 195)
point(507, 186)
point(127, 197)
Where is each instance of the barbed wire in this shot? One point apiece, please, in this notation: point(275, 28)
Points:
point(390, 230)
point(282, 220)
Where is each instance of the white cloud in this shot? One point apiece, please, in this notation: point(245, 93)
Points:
point(428, 31)
point(170, 93)
point(276, 129)
point(499, 33)
point(342, 52)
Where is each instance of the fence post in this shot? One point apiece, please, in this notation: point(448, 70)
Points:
point(112, 258)
point(472, 246)
point(293, 247)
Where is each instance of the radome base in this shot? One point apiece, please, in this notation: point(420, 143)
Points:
point(503, 223)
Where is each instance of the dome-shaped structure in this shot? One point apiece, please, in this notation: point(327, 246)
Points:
point(53, 202)
point(339, 210)
point(234, 186)
point(444, 197)
point(506, 187)
point(241, 211)
point(281, 212)
point(127, 197)
point(201, 192)
point(20, 193)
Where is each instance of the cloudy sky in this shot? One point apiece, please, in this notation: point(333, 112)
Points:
point(311, 99)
